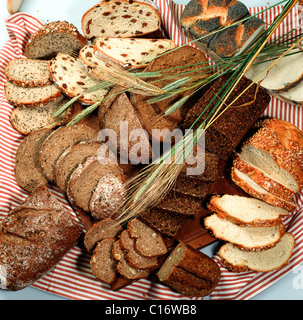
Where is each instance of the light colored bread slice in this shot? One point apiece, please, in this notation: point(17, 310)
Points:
point(281, 77)
point(52, 38)
point(263, 179)
point(246, 238)
point(88, 56)
point(246, 211)
point(293, 95)
point(31, 97)
point(253, 189)
point(237, 260)
point(27, 120)
point(120, 19)
point(27, 72)
point(72, 77)
point(131, 52)
point(28, 172)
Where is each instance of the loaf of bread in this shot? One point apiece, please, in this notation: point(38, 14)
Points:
point(237, 260)
point(131, 19)
point(132, 52)
point(52, 38)
point(246, 211)
point(34, 237)
point(27, 72)
point(200, 18)
point(189, 271)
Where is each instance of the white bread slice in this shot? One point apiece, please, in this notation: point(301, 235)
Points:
point(28, 72)
point(246, 238)
point(72, 77)
point(293, 96)
point(13, 6)
point(123, 19)
point(237, 260)
point(253, 189)
point(263, 179)
point(246, 211)
point(283, 76)
point(131, 52)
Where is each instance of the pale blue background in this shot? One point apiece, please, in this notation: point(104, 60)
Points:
point(72, 10)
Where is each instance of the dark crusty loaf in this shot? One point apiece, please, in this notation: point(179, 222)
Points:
point(54, 37)
point(189, 271)
point(27, 120)
point(102, 262)
point(58, 142)
point(34, 237)
point(101, 230)
point(28, 172)
point(32, 96)
point(120, 19)
point(27, 72)
point(71, 158)
point(229, 129)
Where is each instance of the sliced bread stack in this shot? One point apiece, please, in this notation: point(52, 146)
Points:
point(251, 226)
point(36, 99)
point(132, 253)
point(269, 166)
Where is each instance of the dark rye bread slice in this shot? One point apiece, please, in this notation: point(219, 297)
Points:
point(85, 183)
point(52, 38)
point(148, 242)
point(120, 19)
point(58, 142)
point(28, 172)
point(229, 129)
point(124, 269)
point(101, 230)
point(189, 271)
point(191, 187)
point(27, 72)
point(31, 97)
point(27, 120)
point(71, 158)
point(102, 262)
point(133, 258)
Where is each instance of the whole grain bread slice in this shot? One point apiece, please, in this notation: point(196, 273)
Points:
point(27, 72)
point(28, 172)
point(52, 38)
point(32, 96)
point(58, 142)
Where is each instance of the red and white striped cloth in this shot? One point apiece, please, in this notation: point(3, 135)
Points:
point(72, 277)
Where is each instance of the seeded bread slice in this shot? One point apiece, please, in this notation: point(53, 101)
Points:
point(237, 260)
point(27, 120)
point(131, 52)
point(246, 238)
point(28, 172)
point(52, 38)
point(27, 72)
point(31, 97)
point(58, 142)
point(120, 19)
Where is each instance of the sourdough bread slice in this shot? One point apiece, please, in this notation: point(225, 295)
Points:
point(253, 189)
point(237, 260)
point(27, 120)
point(101, 230)
point(27, 72)
point(293, 95)
point(73, 78)
point(102, 262)
point(31, 97)
point(28, 172)
point(120, 19)
point(58, 142)
point(71, 158)
point(52, 38)
point(246, 238)
point(246, 211)
point(131, 52)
